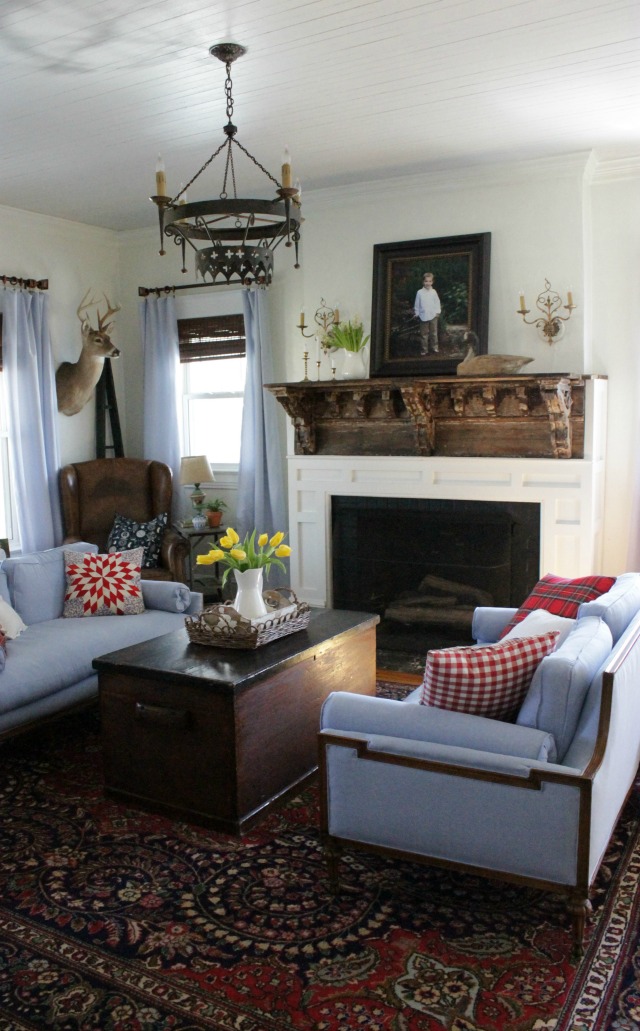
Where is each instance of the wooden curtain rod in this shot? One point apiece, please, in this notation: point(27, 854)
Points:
point(144, 291)
point(31, 284)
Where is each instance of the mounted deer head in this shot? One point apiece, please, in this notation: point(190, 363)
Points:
point(76, 381)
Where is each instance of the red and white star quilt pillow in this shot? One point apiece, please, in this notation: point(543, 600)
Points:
point(103, 585)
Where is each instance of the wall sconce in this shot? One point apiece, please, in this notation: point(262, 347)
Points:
point(324, 317)
point(549, 324)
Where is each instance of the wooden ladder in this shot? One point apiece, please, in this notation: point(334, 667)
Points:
point(106, 402)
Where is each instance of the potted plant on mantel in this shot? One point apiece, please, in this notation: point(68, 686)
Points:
point(349, 338)
point(214, 512)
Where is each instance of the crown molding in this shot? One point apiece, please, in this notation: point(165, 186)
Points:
point(471, 175)
point(22, 216)
point(611, 170)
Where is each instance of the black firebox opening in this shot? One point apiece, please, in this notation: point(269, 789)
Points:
point(423, 565)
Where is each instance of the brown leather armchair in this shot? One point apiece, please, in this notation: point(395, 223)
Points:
point(93, 493)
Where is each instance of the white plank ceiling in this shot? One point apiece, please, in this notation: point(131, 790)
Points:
point(93, 90)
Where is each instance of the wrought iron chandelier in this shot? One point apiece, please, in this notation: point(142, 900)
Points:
point(233, 238)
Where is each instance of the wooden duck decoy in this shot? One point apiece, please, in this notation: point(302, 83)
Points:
point(490, 364)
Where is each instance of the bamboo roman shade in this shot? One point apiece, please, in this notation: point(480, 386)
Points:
point(213, 336)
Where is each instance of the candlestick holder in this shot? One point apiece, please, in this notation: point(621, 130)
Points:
point(305, 357)
point(549, 324)
point(324, 317)
point(318, 364)
point(161, 201)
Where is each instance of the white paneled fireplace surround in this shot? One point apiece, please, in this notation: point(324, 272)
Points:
point(569, 493)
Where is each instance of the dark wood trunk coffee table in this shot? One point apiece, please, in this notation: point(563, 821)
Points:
point(216, 735)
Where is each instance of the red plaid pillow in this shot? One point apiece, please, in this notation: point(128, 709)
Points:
point(486, 681)
point(103, 585)
point(560, 596)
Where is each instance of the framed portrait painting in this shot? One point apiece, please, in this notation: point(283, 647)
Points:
point(430, 304)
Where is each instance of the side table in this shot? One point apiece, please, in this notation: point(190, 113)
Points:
point(208, 584)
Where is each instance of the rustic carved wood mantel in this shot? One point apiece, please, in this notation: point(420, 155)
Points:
point(523, 416)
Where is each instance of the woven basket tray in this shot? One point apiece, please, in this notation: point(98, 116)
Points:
point(222, 627)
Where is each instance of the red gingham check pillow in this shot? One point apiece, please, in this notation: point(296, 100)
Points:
point(489, 680)
point(103, 585)
point(560, 596)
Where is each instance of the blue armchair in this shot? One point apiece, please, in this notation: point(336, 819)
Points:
point(533, 804)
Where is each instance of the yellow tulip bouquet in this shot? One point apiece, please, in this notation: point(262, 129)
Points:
point(267, 552)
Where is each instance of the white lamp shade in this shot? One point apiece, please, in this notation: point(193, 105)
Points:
point(195, 469)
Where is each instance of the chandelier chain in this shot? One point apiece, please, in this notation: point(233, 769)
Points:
point(233, 238)
point(261, 167)
point(229, 166)
point(199, 172)
point(228, 86)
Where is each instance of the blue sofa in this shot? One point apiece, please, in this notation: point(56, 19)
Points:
point(48, 666)
point(534, 801)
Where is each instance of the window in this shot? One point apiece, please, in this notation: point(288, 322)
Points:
point(213, 362)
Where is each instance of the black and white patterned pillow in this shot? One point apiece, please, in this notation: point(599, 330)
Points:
point(127, 534)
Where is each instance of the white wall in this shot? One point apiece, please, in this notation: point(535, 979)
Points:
point(74, 258)
point(569, 220)
point(615, 269)
point(534, 215)
point(141, 265)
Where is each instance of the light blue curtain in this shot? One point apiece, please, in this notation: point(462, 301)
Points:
point(33, 413)
point(262, 498)
point(161, 367)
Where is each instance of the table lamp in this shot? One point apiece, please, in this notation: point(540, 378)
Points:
point(195, 469)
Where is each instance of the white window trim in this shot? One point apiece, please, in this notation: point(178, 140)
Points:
point(203, 304)
point(230, 467)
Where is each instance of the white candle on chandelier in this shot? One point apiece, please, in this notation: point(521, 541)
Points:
point(301, 320)
point(570, 297)
point(522, 304)
point(286, 169)
point(161, 179)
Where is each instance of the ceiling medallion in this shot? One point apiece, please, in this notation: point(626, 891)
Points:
point(233, 238)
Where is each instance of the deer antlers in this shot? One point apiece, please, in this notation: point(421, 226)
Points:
point(75, 381)
point(103, 325)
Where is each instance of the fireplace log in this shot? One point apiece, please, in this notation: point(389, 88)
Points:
point(428, 600)
point(463, 592)
point(417, 615)
point(452, 605)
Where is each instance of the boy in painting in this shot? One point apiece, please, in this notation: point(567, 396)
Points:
point(427, 308)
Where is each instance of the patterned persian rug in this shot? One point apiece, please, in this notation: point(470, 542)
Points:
point(112, 918)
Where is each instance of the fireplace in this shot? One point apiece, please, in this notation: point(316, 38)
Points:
point(565, 493)
point(424, 564)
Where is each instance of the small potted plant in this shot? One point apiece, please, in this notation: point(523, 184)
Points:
point(349, 338)
point(214, 511)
